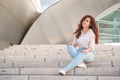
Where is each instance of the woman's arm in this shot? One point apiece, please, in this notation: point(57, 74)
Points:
point(73, 44)
point(87, 50)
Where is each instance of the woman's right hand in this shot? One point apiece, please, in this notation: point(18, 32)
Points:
point(73, 44)
point(69, 43)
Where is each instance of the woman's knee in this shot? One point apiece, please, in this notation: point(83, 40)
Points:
point(89, 59)
point(69, 47)
point(72, 51)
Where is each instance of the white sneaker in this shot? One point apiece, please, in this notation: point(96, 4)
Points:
point(82, 65)
point(62, 72)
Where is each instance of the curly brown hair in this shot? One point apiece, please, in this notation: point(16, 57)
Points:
point(92, 26)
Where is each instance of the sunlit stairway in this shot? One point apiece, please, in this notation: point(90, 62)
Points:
point(42, 62)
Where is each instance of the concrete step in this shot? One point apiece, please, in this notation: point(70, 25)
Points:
point(6, 65)
point(99, 71)
point(39, 77)
point(74, 77)
point(37, 47)
point(9, 71)
point(63, 77)
point(37, 64)
point(53, 61)
point(42, 62)
point(49, 52)
point(14, 77)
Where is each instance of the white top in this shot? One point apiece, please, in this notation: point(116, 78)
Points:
point(85, 40)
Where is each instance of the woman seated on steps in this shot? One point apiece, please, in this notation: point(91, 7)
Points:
point(85, 36)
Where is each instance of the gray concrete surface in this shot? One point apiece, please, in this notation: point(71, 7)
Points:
point(57, 23)
point(42, 62)
point(16, 17)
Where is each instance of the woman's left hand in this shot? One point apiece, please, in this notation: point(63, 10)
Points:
point(85, 51)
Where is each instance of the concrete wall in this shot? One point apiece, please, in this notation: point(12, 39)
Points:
point(16, 16)
point(57, 23)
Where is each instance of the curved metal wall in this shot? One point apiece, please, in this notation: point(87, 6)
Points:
point(16, 16)
point(56, 24)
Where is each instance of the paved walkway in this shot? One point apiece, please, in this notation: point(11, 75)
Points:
point(42, 62)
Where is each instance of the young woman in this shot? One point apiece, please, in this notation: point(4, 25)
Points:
point(82, 47)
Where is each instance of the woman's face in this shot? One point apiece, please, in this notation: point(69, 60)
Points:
point(86, 23)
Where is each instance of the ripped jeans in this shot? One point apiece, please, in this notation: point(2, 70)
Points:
point(78, 57)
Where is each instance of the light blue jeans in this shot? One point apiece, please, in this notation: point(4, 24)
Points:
point(78, 57)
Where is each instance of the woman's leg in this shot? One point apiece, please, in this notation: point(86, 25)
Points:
point(90, 57)
point(78, 59)
point(72, 51)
